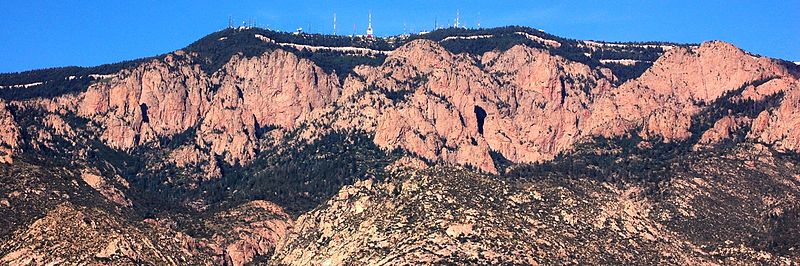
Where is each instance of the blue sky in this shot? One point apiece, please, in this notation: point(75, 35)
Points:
point(38, 34)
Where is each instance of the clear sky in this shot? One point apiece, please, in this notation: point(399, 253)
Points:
point(39, 34)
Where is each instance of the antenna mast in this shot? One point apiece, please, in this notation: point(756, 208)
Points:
point(369, 26)
point(457, 15)
point(334, 24)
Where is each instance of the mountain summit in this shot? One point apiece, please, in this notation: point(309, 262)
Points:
point(492, 146)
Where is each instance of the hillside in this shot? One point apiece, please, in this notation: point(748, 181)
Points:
point(487, 146)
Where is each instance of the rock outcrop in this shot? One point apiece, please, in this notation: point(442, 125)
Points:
point(522, 104)
point(275, 89)
point(9, 134)
point(678, 86)
point(190, 156)
point(780, 127)
point(165, 97)
point(724, 129)
point(106, 188)
point(250, 230)
point(529, 106)
point(88, 236)
point(432, 95)
point(546, 103)
point(155, 100)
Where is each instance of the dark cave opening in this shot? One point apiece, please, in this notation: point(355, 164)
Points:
point(481, 115)
point(145, 119)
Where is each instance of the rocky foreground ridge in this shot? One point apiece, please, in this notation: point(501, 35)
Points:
point(166, 162)
point(443, 215)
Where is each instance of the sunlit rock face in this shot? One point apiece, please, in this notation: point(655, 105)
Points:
point(523, 103)
point(9, 134)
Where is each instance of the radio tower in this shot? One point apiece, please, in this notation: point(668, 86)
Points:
point(334, 24)
point(369, 26)
point(479, 20)
point(457, 14)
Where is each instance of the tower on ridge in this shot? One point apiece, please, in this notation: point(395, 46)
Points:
point(456, 24)
point(369, 26)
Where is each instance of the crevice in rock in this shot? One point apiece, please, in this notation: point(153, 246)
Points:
point(145, 119)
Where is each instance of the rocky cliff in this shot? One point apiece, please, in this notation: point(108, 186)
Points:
point(680, 84)
point(524, 104)
point(275, 89)
point(528, 105)
point(164, 97)
point(159, 98)
point(9, 134)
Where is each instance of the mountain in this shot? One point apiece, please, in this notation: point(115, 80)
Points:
point(487, 146)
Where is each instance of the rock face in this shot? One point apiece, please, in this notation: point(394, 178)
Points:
point(705, 73)
point(250, 230)
point(723, 130)
point(678, 85)
point(547, 102)
point(275, 89)
point(105, 188)
point(529, 106)
point(279, 88)
point(157, 99)
point(9, 134)
point(162, 98)
point(522, 104)
point(780, 127)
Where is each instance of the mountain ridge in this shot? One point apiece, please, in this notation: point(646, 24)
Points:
point(7, 79)
point(253, 148)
